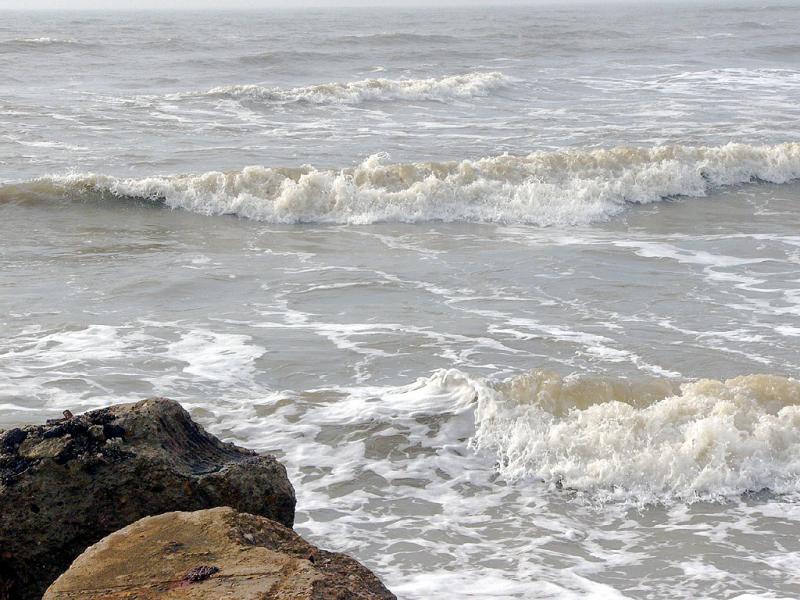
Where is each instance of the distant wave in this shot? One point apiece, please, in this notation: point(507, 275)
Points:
point(40, 42)
point(287, 57)
point(780, 50)
point(463, 86)
point(614, 439)
point(397, 37)
point(753, 25)
point(543, 188)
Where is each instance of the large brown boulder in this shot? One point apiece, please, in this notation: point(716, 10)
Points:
point(213, 555)
point(67, 484)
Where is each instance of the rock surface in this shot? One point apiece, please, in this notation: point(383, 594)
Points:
point(67, 484)
point(213, 555)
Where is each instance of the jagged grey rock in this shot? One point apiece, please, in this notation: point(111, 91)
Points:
point(67, 484)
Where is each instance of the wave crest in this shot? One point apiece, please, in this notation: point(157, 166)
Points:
point(543, 188)
point(708, 441)
point(612, 439)
point(468, 85)
point(10, 45)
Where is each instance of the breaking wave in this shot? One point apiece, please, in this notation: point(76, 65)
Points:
point(652, 441)
point(468, 85)
point(543, 188)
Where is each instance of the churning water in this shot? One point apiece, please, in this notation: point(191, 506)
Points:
point(514, 293)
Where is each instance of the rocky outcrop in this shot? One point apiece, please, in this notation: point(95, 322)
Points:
point(67, 484)
point(213, 555)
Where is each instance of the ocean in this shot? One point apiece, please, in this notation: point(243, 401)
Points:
point(513, 292)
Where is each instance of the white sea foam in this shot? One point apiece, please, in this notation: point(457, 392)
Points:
point(646, 442)
point(467, 85)
point(224, 357)
point(542, 188)
point(609, 439)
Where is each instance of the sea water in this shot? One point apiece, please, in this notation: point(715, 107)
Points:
point(514, 293)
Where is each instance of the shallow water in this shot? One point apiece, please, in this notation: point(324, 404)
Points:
point(471, 403)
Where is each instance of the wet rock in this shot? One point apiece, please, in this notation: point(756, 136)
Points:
point(12, 438)
point(253, 558)
point(67, 484)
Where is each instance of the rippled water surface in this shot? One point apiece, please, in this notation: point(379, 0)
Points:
point(513, 293)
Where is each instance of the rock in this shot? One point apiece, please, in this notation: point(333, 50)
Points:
point(200, 574)
point(213, 554)
point(12, 438)
point(67, 484)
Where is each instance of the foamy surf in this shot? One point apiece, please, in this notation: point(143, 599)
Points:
point(614, 440)
point(464, 86)
point(568, 187)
